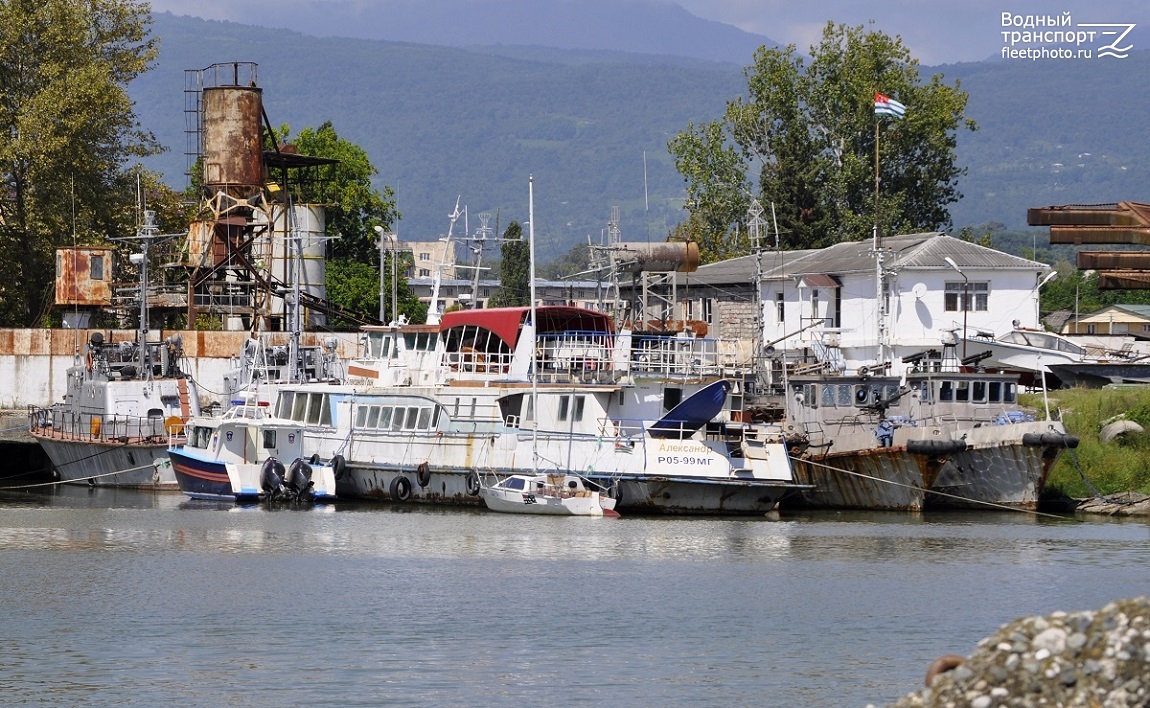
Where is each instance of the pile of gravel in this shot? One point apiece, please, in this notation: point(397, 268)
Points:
point(1065, 659)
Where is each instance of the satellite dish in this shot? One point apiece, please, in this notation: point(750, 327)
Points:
point(919, 290)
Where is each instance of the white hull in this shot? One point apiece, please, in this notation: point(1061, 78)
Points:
point(524, 503)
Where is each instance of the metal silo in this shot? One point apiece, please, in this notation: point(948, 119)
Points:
point(232, 140)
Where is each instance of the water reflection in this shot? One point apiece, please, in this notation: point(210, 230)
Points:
point(134, 597)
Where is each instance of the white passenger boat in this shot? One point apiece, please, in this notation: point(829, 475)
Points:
point(431, 409)
point(553, 494)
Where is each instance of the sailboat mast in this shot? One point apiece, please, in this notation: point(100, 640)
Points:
point(534, 323)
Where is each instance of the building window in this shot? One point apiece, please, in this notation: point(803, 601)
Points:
point(977, 297)
point(424, 273)
point(97, 267)
point(709, 311)
point(425, 256)
point(1090, 329)
point(779, 308)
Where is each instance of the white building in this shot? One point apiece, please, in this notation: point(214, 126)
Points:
point(831, 304)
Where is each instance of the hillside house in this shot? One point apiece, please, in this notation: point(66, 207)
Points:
point(831, 306)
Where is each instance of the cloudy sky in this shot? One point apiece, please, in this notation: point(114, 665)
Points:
point(937, 31)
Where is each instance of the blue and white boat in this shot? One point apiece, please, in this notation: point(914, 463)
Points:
point(248, 455)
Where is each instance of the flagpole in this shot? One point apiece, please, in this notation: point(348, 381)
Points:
point(876, 173)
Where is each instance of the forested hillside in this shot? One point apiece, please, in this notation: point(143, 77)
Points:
point(442, 122)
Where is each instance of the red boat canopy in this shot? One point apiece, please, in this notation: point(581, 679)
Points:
point(507, 322)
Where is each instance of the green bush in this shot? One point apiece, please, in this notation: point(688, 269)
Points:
point(1118, 466)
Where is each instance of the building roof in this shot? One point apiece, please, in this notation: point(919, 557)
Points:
point(918, 251)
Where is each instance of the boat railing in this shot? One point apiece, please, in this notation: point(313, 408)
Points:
point(474, 361)
point(86, 427)
point(669, 357)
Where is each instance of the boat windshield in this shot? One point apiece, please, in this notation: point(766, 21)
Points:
point(1041, 340)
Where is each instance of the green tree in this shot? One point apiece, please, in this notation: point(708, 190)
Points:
point(67, 127)
point(805, 134)
point(354, 207)
point(514, 270)
point(355, 286)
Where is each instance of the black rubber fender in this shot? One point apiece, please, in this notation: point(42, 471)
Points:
point(1050, 440)
point(473, 483)
point(423, 474)
point(935, 447)
point(339, 466)
point(400, 489)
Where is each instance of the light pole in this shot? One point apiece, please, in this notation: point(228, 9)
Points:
point(965, 299)
point(1037, 311)
point(386, 239)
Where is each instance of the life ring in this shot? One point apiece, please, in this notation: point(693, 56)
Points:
point(942, 665)
point(473, 483)
point(423, 474)
point(400, 489)
point(338, 466)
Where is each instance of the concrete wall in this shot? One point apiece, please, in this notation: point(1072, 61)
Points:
point(34, 362)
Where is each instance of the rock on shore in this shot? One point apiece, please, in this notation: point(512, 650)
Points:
point(1095, 658)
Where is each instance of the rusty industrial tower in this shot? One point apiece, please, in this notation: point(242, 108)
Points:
point(255, 238)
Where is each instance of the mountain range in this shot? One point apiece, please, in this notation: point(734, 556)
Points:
point(592, 125)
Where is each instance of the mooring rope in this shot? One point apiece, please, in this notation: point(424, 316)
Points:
point(78, 479)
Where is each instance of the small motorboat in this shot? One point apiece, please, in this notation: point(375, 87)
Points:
point(249, 455)
point(556, 494)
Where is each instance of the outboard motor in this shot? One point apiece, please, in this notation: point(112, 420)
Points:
point(272, 478)
point(299, 479)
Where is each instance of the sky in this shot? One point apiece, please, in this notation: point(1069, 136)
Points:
point(936, 31)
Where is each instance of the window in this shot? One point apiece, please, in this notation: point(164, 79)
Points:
point(979, 395)
point(577, 413)
point(709, 311)
point(977, 297)
point(372, 417)
point(424, 273)
point(815, 304)
point(269, 439)
point(779, 307)
point(425, 256)
point(284, 405)
point(564, 403)
point(97, 267)
point(385, 418)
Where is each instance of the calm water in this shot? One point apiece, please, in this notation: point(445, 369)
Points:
point(143, 599)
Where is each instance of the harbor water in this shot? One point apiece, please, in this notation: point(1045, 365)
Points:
point(129, 598)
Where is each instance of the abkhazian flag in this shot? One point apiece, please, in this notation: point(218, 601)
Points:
point(887, 106)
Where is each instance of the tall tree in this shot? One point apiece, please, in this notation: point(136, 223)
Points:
point(353, 209)
point(67, 127)
point(354, 206)
point(514, 270)
point(805, 135)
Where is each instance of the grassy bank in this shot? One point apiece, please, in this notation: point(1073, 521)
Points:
point(1122, 465)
